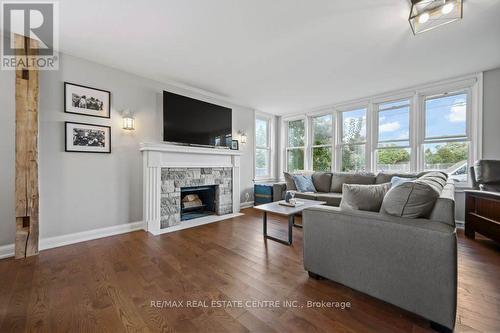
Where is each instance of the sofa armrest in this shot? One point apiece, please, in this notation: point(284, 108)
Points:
point(411, 263)
point(279, 190)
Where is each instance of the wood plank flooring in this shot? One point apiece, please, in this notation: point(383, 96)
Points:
point(108, 285)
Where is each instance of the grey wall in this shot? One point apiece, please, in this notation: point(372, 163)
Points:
point(491, 128)
point(491, 114)
point(7, 155)
point(82, 191)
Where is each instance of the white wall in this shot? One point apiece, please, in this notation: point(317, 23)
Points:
point(82, 191)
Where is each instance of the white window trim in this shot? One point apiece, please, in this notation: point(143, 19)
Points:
point(311, 138)
point(271, 139)
point(306, 141)
point(340, 143)
point(474, 82)
point(375, 132)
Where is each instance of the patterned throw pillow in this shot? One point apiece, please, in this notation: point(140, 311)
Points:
point(304, 183)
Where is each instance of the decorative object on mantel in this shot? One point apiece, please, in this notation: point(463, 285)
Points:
point(86, 101)
point(426, 15)
point(234, 145)
point(26, 156)
point(128, 120)
point(87, 138)
point(243, 136)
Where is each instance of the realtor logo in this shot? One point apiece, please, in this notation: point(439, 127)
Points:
point(38, 23)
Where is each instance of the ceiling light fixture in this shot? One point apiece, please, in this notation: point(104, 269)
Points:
point(426, 15)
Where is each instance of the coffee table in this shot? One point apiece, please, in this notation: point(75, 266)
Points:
point(276, 208)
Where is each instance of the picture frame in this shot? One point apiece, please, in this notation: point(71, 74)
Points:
point(87, 138)
point(234, 145)
point(87, 101)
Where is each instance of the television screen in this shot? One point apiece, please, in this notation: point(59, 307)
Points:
point(190, 121)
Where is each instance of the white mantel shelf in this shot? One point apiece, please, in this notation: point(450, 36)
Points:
point(165, 147)
point(162, 155)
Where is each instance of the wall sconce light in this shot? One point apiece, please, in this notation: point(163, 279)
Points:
point(243, 136)
point(128, 121)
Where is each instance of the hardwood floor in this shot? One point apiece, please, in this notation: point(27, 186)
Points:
point(108, 285)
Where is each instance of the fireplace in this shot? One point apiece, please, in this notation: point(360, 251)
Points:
point(170, 168)
point(197, 201)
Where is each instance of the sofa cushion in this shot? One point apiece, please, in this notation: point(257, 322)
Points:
point(414, 199)
point(305, 195)
point(304, 183)
point(340, 178)
point(332, 199)
point(363, 197)
point(383, 177)
point(322, 181)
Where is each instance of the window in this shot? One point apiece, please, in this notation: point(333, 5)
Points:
point(393, 146)
point(322, 134)
point(446, 139)
point(353, 145)
point(262, 148)
point(295, 145)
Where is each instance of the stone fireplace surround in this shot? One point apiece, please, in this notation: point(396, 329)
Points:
point(174, 179)
point(163, 163)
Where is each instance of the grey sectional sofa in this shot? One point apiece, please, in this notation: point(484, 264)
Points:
point(409, 262)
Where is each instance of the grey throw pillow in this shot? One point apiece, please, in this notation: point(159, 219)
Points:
point(290, 184)
point(363, 197)
point(414, 199)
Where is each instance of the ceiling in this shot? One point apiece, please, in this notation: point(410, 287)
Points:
point(280, 56)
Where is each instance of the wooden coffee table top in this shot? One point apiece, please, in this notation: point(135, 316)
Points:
point(276, 208)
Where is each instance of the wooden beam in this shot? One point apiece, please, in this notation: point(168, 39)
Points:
point(27, 196)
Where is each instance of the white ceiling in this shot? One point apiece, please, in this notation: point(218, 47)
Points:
point(280, 56)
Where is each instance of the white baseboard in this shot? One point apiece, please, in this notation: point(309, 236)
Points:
point(77, 237)
point(246, 204)
point(6, 251)
point(459, 224)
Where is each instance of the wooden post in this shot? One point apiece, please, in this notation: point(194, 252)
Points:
point(26, 150)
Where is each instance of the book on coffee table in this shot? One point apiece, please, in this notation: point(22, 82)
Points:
point(288, 204)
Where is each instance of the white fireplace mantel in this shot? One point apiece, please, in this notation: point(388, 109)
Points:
point(162, 155)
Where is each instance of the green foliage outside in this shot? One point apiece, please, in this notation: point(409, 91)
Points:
point(296, 132)
point(322, 130)
point(353, 155)
point(449, 153)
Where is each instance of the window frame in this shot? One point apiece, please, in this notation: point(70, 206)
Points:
point(340, 135)
point(376, 130)
point(473, 83)
point(469, 120)
point(332, 140)
point(269, 121)
point(304, 147)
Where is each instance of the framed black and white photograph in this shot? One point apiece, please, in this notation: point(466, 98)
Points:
point(87, 138)
point(86, 101)
point(234, 145)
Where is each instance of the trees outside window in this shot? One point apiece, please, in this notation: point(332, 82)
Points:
point(295, 145)
point(322, 135)
point(353, 140)
point(393, 147)
point(446, 141)
point(262, 148)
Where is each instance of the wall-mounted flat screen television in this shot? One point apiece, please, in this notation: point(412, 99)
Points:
point(194, 122)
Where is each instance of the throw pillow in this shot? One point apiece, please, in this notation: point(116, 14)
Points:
point(304, 183)
point(290, 184)
point(396, 181)
point(414, 199)
point(363, 197)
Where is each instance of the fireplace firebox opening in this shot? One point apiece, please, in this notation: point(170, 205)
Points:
point(197, 201)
